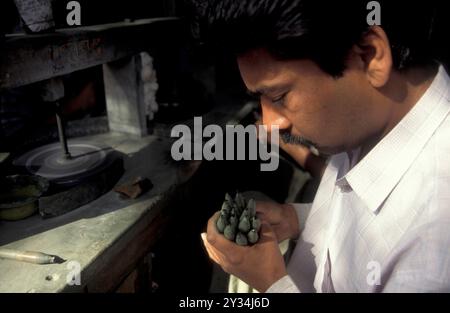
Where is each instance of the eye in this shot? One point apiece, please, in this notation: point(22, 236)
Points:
point(279, 100)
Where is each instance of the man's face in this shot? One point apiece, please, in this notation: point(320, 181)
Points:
point(335, 115)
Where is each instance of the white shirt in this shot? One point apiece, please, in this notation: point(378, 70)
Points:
point(382, 225)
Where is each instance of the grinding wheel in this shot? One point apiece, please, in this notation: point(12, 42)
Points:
point(88, 159)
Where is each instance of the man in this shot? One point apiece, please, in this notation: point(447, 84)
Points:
point(374, 99)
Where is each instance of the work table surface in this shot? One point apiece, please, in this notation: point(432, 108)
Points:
point(93, 234)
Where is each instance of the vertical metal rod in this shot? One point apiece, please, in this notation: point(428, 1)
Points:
point(61, 132)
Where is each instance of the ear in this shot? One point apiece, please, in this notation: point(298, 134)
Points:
point(374, 51)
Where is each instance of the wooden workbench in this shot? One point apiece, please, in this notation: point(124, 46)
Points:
point(107, 236)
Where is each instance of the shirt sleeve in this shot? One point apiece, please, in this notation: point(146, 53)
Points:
point(283, 285)
point(302, 210)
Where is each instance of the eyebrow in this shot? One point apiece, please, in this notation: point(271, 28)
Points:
point(267, 90)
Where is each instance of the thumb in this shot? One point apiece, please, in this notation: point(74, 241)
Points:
point(267, 233)
point(266, 212)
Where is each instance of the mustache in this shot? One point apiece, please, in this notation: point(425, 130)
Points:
point(288, 138)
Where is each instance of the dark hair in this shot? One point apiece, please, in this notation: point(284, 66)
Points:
point(323, 31)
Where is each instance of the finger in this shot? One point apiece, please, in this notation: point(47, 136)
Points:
point(263, 208)
point(267, 233)
point(211, 253)
point(216, 255)
point(211, 229)
point(266, 211)
point(280, 232)
point(260, 206)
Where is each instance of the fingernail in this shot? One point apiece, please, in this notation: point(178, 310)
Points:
point(203, 235)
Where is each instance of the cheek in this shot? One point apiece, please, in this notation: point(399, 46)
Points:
point(324, 117)
point(312, 112)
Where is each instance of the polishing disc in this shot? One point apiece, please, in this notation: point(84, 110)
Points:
point(87, 159)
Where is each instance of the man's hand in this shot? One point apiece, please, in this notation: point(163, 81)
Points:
point(281, 217)
point(260, 265)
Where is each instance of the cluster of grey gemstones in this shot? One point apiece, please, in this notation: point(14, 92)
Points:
point(238, 221)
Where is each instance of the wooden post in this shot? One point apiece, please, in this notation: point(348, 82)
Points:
point(124, 96)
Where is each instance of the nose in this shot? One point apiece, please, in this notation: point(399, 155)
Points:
point(272, 116)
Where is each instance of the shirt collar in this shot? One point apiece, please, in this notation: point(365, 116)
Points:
point(376, 175)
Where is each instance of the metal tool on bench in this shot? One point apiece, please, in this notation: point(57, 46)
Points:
point(30, 256)
point(79, 171)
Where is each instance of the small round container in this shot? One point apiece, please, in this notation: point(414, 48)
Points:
point(19, 195)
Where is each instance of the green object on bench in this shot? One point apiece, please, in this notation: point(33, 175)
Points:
point(19, 195)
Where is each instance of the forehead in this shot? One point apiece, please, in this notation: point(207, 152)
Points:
point(258, 65)
point(260, 69)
